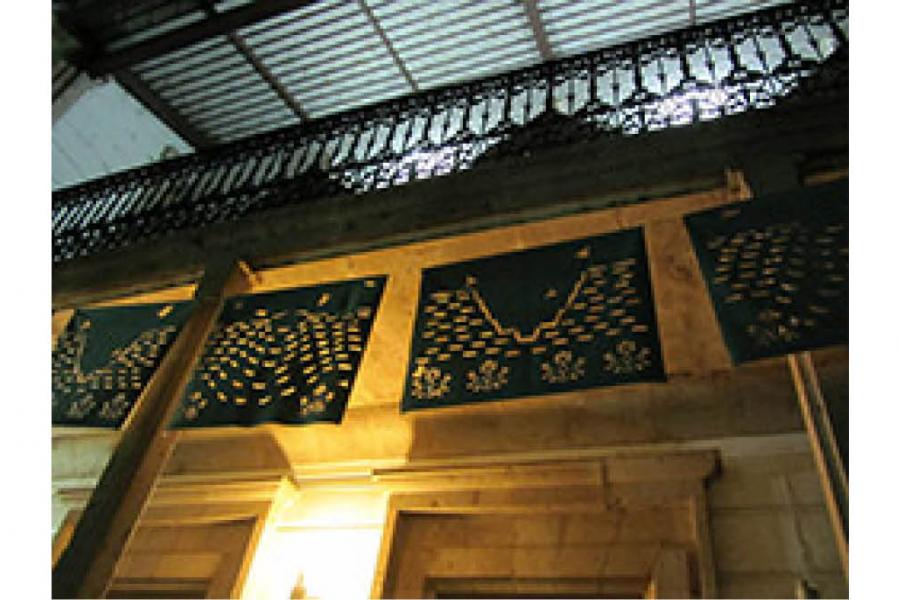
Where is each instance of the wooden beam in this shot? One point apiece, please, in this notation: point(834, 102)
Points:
point(238, 42)
point(671, 575)
point(86, 567)
point(832, 473)
point(373, 20)
point(64, 533)
point(537, 29)
point(698, 508)
point(261, 69)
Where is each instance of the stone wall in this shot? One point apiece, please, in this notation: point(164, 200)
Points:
point(704, 483)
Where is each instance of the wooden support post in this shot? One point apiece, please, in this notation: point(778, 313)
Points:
point(832, 473)
point(670, 577)
point(86, 567)
point(699, 513)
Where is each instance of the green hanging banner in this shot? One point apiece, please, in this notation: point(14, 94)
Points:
point(104, 358)
point(561, 317)
point(777, 268)
point(284, 357)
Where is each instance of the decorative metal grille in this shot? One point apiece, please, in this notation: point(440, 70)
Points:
point(700, 73)
point(777, 270)
point(551, 319)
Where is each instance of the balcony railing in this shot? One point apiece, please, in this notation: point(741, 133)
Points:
point(696, 74)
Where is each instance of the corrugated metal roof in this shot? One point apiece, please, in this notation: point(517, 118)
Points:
point(332, 55)
point(328, 56)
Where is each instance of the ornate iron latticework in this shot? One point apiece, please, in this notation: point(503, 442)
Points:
point(777, 270)
point(722, 68)
point(287, 357)
point(104, 358)
point(562, 317)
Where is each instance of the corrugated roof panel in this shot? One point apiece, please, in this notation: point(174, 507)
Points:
point(217, 90)
point(305, 13)
point(230, 109)
point(210, 80)
point(247, 119)
point(327, 103)
point(356, 52)
point(226, 5)
point(574, 27)
point(331, 54)
point(476, 70)
point(344, 21)
point(293, 42)
point(325, 74)
point(173, 60)
point(157, 30)
point(459, 53)
point(325, 87)
point(454, 40)
point(192, 70)
point(241, 130)
point(464, 38)
point(227, 127)
point(710, 10)
point(420, 22)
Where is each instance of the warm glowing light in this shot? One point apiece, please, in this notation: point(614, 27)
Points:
point(324, 542)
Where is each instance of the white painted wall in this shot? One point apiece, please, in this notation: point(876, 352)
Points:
point(104, 131)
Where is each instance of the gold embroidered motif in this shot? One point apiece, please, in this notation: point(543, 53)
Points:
point(81, 407)
point(123, 371)
point(563, 368)
point(626, 358)
point(489, 377)
point(772, 328)
point(282, 350)
point(535, 334)
point(114, 408)
point(430, 383)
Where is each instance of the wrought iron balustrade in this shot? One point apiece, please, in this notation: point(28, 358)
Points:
point(678, 78)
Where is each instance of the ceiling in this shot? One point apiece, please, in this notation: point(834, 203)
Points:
point(216, 71)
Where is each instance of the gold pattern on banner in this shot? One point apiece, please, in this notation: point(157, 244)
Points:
point(430, 383)
point(79, 408)
point(490, 377)
point(601, 302)
point(114, 408)
point(772, 327)
point(563, 368)
point(774, 264)
point(316, 344)
point(122, 373)
point(626, 358)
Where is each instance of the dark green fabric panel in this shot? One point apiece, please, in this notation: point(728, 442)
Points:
point(561, 317)
point(286, 357)
point(777, 270)
point(105, 357)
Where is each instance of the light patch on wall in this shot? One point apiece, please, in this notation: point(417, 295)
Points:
point(104, 131)
point(322, 542)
